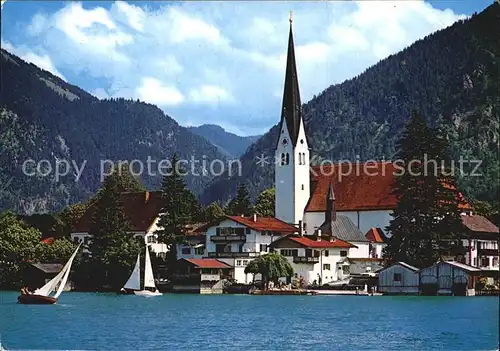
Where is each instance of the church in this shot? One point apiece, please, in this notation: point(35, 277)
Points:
point(330, 219)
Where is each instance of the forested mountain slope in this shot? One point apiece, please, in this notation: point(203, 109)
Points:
point(44, 118)
point(228, 143)
point(451, 76)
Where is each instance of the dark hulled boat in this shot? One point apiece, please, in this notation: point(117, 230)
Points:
point(33, 299)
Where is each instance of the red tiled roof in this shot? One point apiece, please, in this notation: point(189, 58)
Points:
point(362, 186)
point(48, 241)
point(142, 208)
point(374, 235)
point(265, 223)
point(478, 223)
point(322, 243)
point(207, 263)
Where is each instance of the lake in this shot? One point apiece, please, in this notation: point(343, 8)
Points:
point(87, 321)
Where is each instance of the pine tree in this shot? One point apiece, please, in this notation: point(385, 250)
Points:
point(212, 212)
point(180, 208)
point(241, 204)
point(113, 248)
point(426, 223)
point(264, 206)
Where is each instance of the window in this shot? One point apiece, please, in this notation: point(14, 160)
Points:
point(326, 267)
point(151, 239)
point(283, 159)
point(289, 253)
point(302, 186)
point(343, 253)
point(263, 247)
point(247, 230)
point(287, 158)
point(485, 261)
point(300, 158)
point(397, 277)
point(230, 231)
point(346, 270)
point(475, 261)
point(238, 262)
point(86, 240)
point(76, 240)
point(327, 253)
point(245, 262)
point(186, 250)
point(199, 250)
point(495, 262)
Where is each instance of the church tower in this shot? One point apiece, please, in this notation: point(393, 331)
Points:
point(292, 151)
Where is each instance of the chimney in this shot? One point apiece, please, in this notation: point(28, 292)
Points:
point(331, 213)
point(254, 217)
point(147, 197)
point(318, 238)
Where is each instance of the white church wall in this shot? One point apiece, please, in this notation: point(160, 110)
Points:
point(301, 177)
point(284, 206)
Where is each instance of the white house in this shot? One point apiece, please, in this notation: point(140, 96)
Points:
point(378, 240)
point(142, 210)
point(399, 279)
point(481, 240)
point(237, 240)
point(195, 247)
point(314, 258)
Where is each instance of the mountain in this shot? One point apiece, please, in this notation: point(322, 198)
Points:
point(451, 76)
point(46, 120)
point(228, 144)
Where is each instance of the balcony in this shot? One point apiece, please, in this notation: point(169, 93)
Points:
point(210, 277)
point(303, 259)
point(232, 254)
point(231, 237)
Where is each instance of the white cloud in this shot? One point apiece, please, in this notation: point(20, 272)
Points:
point(153, 91)
point(210, 94)
point(223, 52)
point(38, 24)
point(133, 15)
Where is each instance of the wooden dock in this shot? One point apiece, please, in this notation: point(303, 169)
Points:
point(283, 292)
point(345, 292)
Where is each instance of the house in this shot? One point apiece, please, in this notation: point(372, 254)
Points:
point(194, 247)
point(481, 240)
point(314, 258)
point(449, 278)
point(202, 276)
point(361, 192)
point(37, 275)
point(236, 240)
point(399, 279)
point(141, 208)
point(378, 240)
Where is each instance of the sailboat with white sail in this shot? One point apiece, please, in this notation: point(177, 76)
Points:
point(134, 281)
point(42, 296)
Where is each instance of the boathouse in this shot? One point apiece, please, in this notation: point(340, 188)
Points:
point(398, 279)
point(200, 276)
point(449, 278)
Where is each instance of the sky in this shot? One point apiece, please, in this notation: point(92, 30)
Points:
point(216, 62)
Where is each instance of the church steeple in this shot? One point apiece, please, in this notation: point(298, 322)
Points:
point(291, 112)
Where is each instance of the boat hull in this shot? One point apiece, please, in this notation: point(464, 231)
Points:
point(147, 293)
point(33, 299)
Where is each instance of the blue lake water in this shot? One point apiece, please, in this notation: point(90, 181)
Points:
point(85, 321)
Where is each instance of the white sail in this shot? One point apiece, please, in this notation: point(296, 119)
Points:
point(134, 282)
point(51, 285)
point(149, 280)
point(62, 284)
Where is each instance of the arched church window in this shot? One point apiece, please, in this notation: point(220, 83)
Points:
point(287, 159)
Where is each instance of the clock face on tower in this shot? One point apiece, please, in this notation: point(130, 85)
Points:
point(285, 141)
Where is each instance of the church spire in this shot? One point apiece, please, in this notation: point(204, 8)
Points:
point(291, 112)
